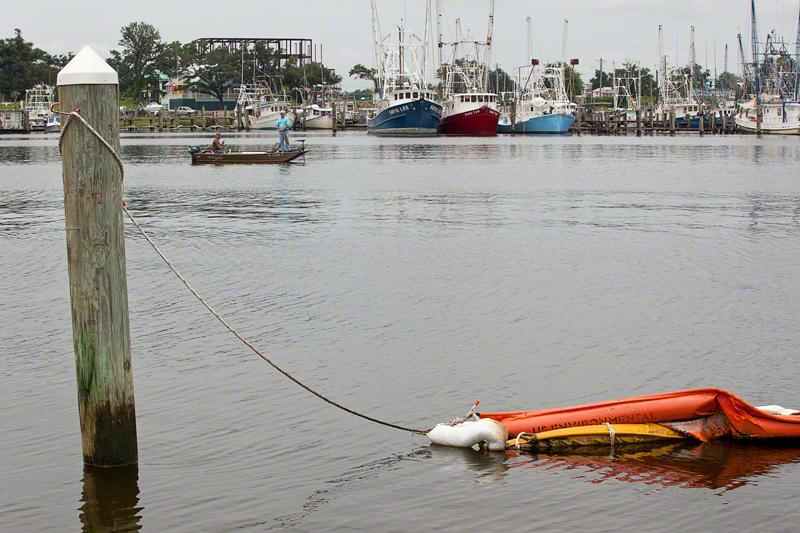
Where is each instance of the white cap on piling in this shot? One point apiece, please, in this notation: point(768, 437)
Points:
point(87, 68)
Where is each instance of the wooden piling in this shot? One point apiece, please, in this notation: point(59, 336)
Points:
point(701, 122)
point(672, 121)
point(246, 120)
point(639, 122)
point(759, 118)
point(514, 116)
point(335, 117)
point(96, 263)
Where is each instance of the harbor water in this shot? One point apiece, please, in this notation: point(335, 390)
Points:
point(407, 278)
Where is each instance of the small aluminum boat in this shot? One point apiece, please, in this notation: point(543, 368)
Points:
point(204, 156)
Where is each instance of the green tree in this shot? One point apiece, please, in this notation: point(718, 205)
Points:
point(137, 62)
point(213, 72)
point(361, 72)
point(299, 76)
point(22, 65)
point(500, 81)
point(573, 81)
point(600, 77)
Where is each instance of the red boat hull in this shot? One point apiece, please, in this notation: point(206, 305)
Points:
point(482, 121)
point(717, 413)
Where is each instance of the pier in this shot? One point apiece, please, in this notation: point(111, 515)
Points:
point(649, 122)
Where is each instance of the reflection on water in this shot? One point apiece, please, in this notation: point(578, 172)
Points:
point(110, 499)
point(718, 465)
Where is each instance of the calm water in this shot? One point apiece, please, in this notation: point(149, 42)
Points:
point(407, 279)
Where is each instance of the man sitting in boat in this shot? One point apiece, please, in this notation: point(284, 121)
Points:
point(283, 131)
point(218, 145)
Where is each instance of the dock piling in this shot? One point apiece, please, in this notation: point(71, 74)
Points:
point(96, 262)
point(335, 117)
point(638, 122)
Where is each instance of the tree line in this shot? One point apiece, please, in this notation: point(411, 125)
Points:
point(144, 58)
point(22, 66)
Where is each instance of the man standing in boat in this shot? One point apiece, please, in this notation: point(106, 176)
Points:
point(283, 131)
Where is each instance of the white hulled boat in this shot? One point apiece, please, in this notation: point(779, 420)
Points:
point(774, 76)
point(37, 105)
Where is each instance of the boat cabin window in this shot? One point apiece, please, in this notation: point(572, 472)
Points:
point(415, 95)
point(474, 98)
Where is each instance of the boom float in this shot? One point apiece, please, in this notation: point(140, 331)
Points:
point(700, 414)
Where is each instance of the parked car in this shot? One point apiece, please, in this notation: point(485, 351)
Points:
point(153, 108)
point(186, 111)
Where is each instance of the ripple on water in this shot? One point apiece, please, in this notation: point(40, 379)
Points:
point(408, 279)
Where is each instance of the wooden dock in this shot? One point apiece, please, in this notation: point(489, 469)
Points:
point(648, 122)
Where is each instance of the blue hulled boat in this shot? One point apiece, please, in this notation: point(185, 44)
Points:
point(406, 112)
point(551, 123)
point(541, 105)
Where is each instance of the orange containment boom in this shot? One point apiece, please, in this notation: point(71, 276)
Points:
point(704, 414)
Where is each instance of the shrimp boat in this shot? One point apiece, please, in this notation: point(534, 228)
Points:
point(37, 106)
point(406, 107)
point(677, 96)
point(469, 107)
point(542, 104)
point(316, 117)
point(774, 76)
point(265, 105)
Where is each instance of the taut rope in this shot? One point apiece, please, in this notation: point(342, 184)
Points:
point(254, 349)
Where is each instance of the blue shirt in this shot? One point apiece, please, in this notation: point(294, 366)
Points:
point(283, 124)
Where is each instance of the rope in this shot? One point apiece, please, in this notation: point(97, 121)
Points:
point(208, 306)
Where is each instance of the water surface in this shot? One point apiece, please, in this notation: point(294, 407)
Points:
point(407, 279)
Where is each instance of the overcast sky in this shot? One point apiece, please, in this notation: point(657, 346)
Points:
point(616, 30)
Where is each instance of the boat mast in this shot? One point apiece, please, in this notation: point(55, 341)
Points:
point(488, 60)
point(401, 53)
point(377, 47)
point(662, 64)
point(530, 40)
point(692, 61)
point(797, 61)
point(426, 43)
point(746, 74)
point(564, 42)
point(754, 36)
point(439, 38)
